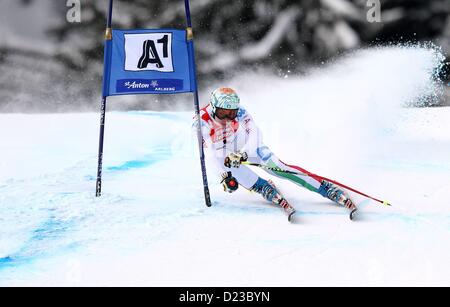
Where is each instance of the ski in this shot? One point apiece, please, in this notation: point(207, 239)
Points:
point(291, 217)
point(352, 214)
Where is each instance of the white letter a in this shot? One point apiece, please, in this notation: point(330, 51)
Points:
point(74, 13)
point(374, 13)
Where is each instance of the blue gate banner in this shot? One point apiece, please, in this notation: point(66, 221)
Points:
point(156, 61)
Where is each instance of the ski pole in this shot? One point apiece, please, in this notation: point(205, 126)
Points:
point(308, 174)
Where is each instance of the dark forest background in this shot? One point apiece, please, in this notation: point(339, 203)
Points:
point(60, 70)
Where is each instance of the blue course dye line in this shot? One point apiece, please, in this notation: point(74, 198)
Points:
point(417, 219)
point(49, 230)
point(12, 261)
point(52, 229)
point(5, 260)
point(131, 165)
point(157, 156)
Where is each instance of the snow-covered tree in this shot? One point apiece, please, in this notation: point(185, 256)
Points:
point(282, 33)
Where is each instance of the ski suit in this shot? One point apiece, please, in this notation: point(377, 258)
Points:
point(242, 135)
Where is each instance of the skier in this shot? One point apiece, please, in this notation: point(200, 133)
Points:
point(232, 137)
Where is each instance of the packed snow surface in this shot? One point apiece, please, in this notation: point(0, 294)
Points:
point(347, 121)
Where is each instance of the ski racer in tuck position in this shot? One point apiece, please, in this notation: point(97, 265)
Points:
point(231, 136)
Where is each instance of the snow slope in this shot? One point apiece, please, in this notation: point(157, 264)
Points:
point(345, 121)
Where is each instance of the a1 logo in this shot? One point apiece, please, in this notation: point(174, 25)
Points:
point(149, 51)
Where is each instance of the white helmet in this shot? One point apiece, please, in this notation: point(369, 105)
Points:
point(224, 98)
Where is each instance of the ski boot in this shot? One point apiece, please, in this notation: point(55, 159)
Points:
point(268, 190)
point(334, 193)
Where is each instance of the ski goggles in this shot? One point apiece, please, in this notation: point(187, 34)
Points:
point(226, 113)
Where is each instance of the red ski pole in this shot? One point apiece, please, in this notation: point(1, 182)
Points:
point(306, 173)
